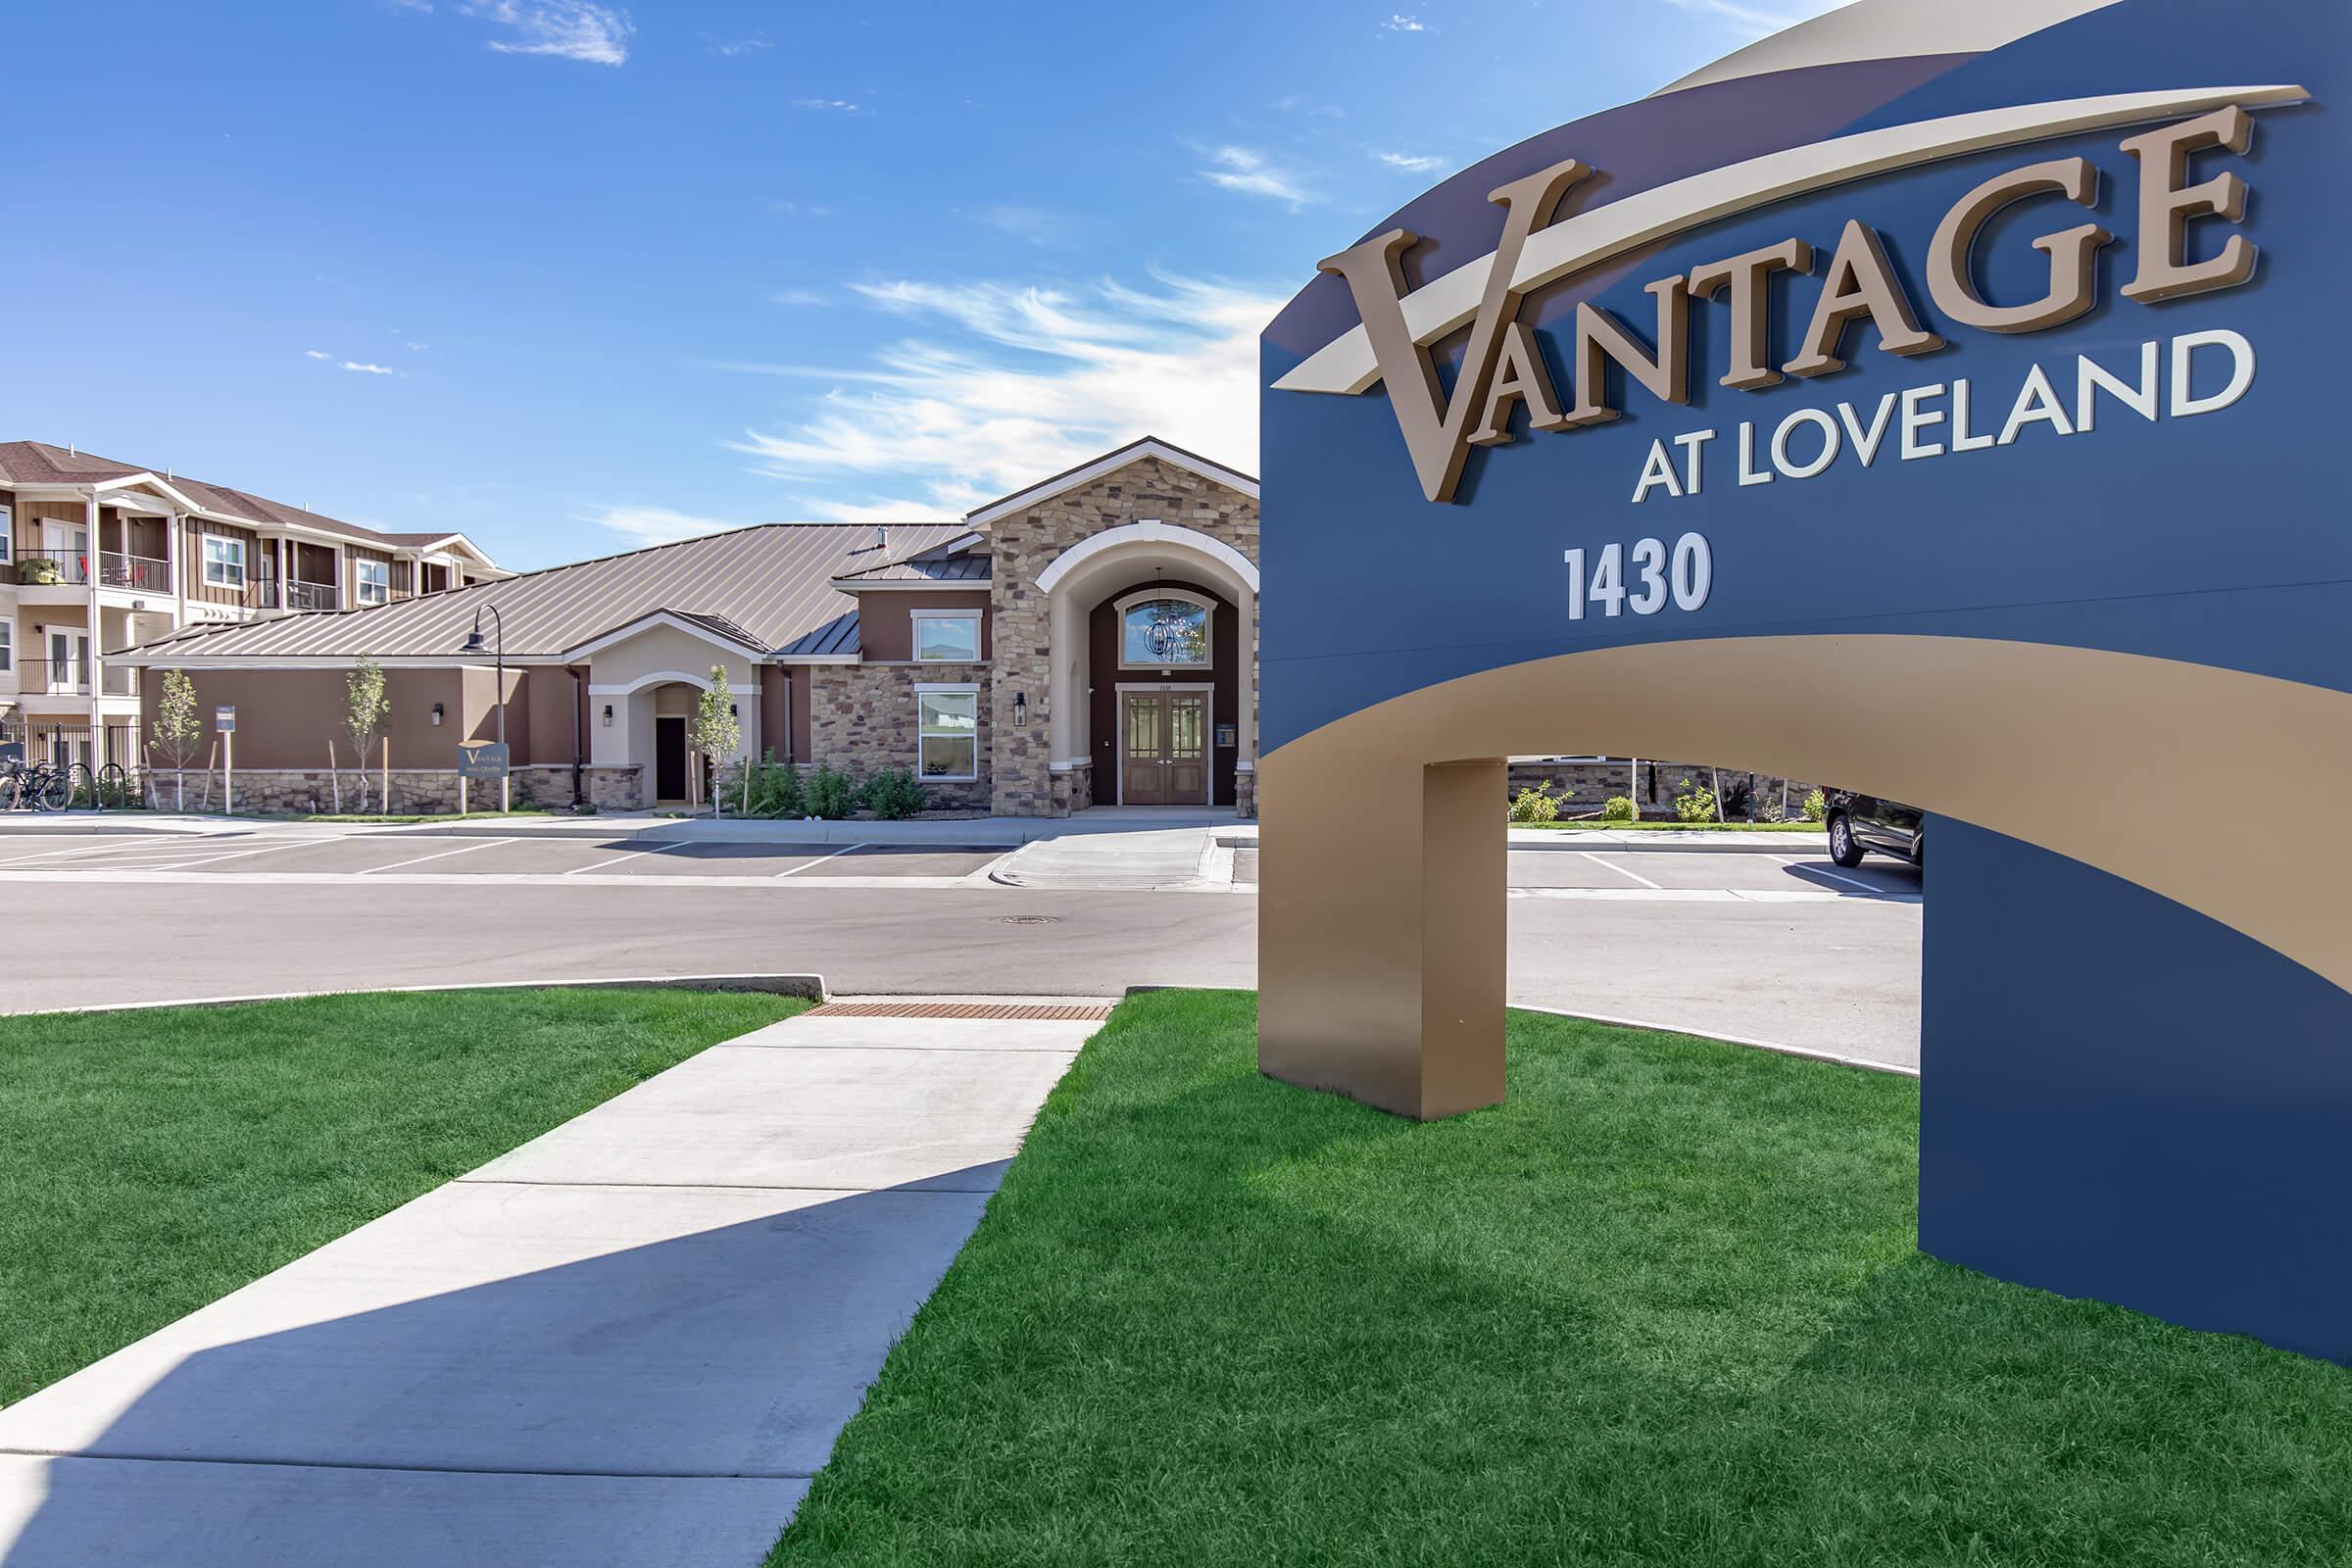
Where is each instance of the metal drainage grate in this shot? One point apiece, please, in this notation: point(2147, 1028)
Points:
point(1028, 919)
point(1028, 1011)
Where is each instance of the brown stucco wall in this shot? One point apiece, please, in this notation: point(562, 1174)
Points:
point(1023, 545)
point(286, 717)
point(886, 621)
point(1223, 675)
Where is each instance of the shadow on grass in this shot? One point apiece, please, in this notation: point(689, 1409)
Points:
point(1662, 1305)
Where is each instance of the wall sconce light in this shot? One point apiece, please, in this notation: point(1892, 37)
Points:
point(436, 713)
point(734, 711)
point(608, 715)
point(1020, 709)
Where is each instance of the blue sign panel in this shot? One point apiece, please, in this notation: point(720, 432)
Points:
point(1944, 406)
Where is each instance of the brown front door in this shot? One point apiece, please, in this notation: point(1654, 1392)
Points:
point(1164, 748)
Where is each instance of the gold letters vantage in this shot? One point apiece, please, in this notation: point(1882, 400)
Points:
point(1504, 365)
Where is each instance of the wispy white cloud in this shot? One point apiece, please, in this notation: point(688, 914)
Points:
point(1403, 24)
point(836, 105)
point(568, 30)
point(801, 209)
point(655, 526)
point(801, 296)
point(736, 48)
point(1756, 20)
point(1308, 105)
point(1035, 224)
point(1411, 162)
point(363, 368)
point(1003, 385)
point(1249, 172)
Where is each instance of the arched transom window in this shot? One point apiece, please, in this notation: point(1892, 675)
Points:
point(1164, 628)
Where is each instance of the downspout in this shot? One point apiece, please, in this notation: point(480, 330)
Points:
point(579, 696)
point(91, 566)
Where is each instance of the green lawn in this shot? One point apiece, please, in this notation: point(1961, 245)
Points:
point(151, 1161)
point(1662, 1308)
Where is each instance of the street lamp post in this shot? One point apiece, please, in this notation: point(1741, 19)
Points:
point(473, 644)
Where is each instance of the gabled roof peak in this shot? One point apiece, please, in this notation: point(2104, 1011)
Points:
point(1150, 445)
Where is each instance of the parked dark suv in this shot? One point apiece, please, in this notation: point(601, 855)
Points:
point(1863, 823)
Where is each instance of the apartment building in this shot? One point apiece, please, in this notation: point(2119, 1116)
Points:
point(98, 556)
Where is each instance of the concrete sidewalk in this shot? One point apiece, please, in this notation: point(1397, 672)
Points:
point(629, 1343)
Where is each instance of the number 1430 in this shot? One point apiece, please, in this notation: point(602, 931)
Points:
point(1683, 575)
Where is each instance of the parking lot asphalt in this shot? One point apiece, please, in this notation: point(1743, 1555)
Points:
point(1782, 947)
point(1622, 873)
point(357, 857)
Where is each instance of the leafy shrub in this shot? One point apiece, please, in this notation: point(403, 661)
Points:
point(1692, 804)
point(775, 787)
point(829, 793)
point(893, 794)
point(1817, 806)
point(1620, 809)
point(1537, 805)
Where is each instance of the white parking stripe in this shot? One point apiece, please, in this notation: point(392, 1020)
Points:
point(1619, 869)
point(1815, 870)
point(466, 849)
point(239, 854)
point(139, 846)
point(617, 859)
point(819, 861)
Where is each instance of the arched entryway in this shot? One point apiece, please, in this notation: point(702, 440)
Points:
point(1154, 694)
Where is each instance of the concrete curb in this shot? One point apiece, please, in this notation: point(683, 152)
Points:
point(1773, 1046)
point(810, 986)
point(1777, 1048)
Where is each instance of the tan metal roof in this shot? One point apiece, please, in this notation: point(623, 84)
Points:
point(934, 562)
point(772, 584)
point(37, 463)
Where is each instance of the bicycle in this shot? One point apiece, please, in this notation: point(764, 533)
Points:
point(36, 785)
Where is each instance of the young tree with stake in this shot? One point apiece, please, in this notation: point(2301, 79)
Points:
point(177, 729)
point(717, 734)
point(370, 710)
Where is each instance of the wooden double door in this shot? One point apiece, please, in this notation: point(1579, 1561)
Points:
point(1164, 748)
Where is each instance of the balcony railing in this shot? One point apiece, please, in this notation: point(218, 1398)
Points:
point(143, 574)
point(70, 677)
point(41, 569)
point(311, 596)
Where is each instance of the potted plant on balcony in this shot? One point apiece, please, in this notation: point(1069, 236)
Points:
point(40, 571)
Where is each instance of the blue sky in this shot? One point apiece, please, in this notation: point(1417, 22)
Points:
point(571, 276)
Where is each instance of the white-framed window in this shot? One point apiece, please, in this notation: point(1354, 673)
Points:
point(947, 636)
point(947, 746)
point(8, 535)
point(223, 562)
point(8, 645)
point(1164, 628)
point(375, 578)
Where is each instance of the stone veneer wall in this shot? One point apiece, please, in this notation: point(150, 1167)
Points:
point(1023, 545)
point(1074, 789)
point(1593, 783)
point(862, 720)
point(312, 791)
point(1244, 793)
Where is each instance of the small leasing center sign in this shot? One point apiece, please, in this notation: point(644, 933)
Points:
point(1942, 401)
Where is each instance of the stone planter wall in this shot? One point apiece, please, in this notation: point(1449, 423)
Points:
point(311, 791)
point(1593, 783)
